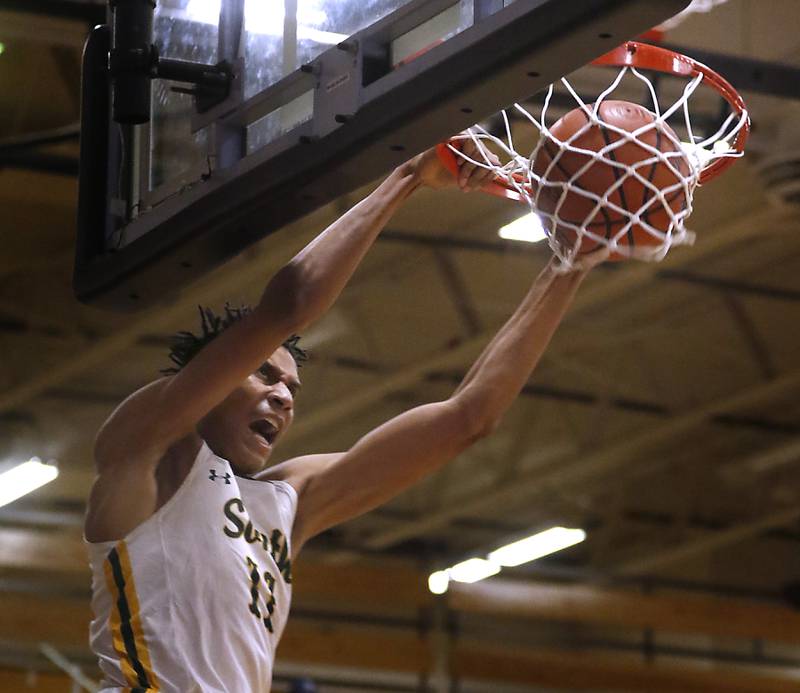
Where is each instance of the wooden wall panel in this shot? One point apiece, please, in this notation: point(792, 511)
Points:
point(354, 646)
point(17, 681)
point(604, 672)
point(684, 613)
point(57, 620)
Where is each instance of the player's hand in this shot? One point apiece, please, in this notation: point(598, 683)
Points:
point(472, 176)
point(429, 170)
point(584, 262)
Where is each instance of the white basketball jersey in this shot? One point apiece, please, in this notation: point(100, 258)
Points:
point(196, 597)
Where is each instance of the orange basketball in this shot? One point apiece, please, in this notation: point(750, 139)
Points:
point(630, 194)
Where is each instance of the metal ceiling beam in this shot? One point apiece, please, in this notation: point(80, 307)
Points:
point(66, 133)
point(749, 74)
point(764, 463)
point(712, 541)
point(55, 164)
point(89, 11)
point(516, 248)
point(32, 320)
point(614, 286)
point(628, 404)
point(581, 469)
point(757, 347)
point(50, 262)
point(239, 277)
point(458, 290)
point(730, 285)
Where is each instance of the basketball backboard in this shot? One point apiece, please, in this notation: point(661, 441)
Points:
point(325, 96)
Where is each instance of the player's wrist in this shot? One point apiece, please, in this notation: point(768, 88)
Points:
point(405, 179)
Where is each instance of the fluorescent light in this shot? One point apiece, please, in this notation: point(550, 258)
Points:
point(536, 546)
point(473, 569)
point(2, 48)
point(527, 228)
point(517, 553)
point(438, 582)
point(24, 478)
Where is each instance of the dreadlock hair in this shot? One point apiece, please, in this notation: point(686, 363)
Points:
point(186, 345)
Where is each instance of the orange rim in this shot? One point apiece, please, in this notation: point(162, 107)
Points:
point(647, 57)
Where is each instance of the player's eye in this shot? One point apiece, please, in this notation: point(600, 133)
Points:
point(267, 373)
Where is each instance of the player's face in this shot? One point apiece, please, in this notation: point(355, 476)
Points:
point(246, 427)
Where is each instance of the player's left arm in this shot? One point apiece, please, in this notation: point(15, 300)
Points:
point(396, 455)
point(333, 488)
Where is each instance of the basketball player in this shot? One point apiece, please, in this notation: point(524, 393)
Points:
point(192, 535)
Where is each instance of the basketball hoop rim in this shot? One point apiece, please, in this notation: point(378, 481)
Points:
point(646, 57)
point(649, 57)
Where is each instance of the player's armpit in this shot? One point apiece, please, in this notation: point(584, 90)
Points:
point(128, 460)
point(122, 438)
point(298, 471)
point(120, 500)
point(385, 462)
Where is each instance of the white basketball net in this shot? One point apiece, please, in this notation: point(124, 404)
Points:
point(695, 7)
point(695, 154)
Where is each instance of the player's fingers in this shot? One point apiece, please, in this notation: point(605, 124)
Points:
point(466, 171)
point(471, 149)
point(485, 173)
point(583, 262)
point(478, 179)
point(493, 159)
point(478, 151)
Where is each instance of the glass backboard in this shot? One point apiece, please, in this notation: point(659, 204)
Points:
point(326, 96)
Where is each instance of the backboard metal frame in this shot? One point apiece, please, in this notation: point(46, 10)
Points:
point(364, 124)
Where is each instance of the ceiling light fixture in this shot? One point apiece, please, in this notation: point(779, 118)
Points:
point(514, 554)
point(472, 570)
point(438, 582)
point(536, 546)
point(527, 228)
point(24, 478)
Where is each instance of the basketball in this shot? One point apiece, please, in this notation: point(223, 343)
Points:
point(555, 167)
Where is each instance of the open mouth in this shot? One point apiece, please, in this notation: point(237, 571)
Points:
point(265, 430)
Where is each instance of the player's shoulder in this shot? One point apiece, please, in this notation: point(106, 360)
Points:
point(124, 424)
point(297, 471)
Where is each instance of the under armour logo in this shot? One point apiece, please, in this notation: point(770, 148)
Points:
point(212, 474)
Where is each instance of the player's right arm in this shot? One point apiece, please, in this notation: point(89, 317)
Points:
point(137, 436)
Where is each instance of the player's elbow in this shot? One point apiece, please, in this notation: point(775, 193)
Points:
point(479, 418)
point(484, 427)
point(283, 300)
point(297, 296)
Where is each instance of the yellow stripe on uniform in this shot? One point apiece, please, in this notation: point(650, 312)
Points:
point(136, 621)
point(126, 624)
point(114, 624)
